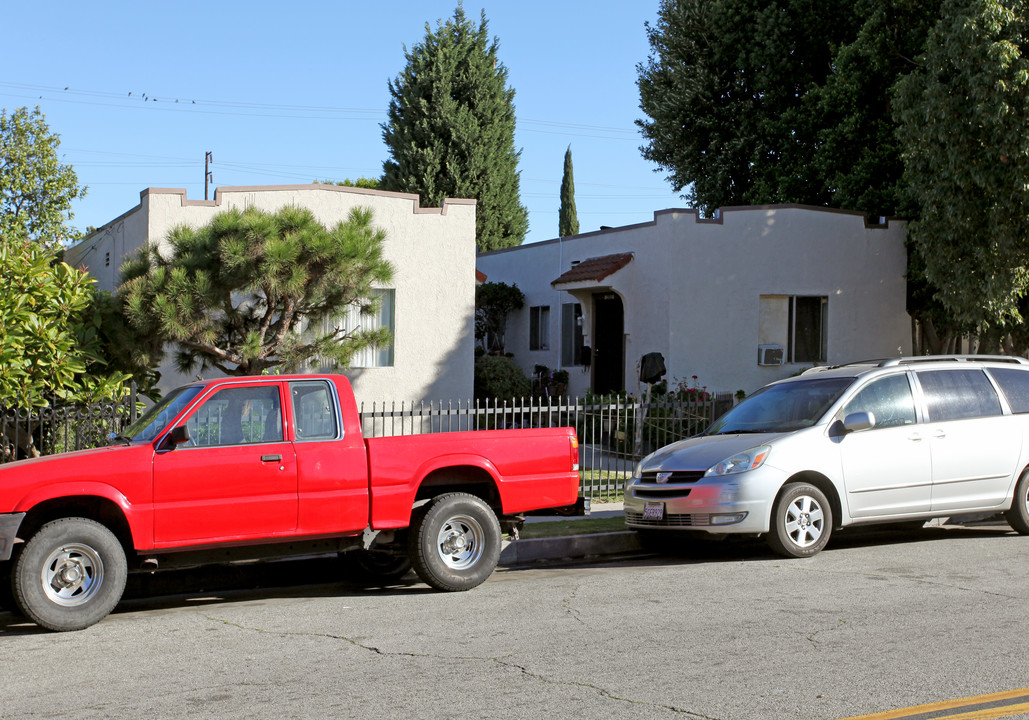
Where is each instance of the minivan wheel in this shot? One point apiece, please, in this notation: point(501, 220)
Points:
point(801, 521)
point(1018, 515)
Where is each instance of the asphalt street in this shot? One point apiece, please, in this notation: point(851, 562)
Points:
point(880, 620)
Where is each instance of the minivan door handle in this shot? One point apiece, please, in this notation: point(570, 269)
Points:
point(939, 434)
point(271, 458)
point(915, 437)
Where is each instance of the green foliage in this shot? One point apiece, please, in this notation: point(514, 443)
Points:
point(366, 183)
point(254, 290)
point(36, 190)
point(450, 129)
point(50, 341)
point(964, 124)
point(859, 153)
point(568, 219)
point(494, 301)
point(500, 377)
point(729, 88)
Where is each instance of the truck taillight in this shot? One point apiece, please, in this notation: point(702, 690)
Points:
point(574, 441)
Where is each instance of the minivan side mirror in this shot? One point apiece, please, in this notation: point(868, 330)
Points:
point(859, 421)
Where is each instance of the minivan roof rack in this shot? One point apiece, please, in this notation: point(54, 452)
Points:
point(1013, 359)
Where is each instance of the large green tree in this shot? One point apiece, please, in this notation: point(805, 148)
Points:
point(859, 154)
point(964, 126)
point(36, 188)
point(730, 91)
point(54, 337)
point(450, 129)
point(51, 342)
point(253, 291)
point(568, 219)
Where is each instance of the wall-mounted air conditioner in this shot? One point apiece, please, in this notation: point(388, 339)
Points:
point(770, 355)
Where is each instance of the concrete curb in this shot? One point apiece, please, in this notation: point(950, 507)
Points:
point(533, 550)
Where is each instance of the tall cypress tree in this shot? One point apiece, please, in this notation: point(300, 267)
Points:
point(568, 220)
point(450, 129)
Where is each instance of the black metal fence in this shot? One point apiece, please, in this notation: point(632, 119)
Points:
point(614, 433)
point(54, 428)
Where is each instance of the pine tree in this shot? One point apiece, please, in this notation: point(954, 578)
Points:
point(450, 129)
point(238, 293)
point(568, 220)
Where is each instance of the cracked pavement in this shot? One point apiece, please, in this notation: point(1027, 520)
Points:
point(719, 631)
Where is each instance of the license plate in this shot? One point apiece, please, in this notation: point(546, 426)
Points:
point(654, 511)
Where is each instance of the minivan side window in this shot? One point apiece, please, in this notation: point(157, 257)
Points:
point(889, 399)
point(1015, 384)
point(958, 394)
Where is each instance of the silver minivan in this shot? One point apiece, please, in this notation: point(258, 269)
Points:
point(883, 441)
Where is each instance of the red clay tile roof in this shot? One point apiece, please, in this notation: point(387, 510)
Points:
point(594, 269)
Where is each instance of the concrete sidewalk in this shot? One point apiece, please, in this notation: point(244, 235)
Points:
point(530, 550)
point(533, 550)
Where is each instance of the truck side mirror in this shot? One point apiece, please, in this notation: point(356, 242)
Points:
point(179, 435)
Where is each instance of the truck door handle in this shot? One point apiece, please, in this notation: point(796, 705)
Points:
point(271, 458)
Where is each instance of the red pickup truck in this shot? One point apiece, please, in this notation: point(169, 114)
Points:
point(262, 467)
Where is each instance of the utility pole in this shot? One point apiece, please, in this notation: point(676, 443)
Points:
point(208, 175)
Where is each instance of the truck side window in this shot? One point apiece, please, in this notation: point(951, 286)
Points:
point(238, 416)
point(314, 412)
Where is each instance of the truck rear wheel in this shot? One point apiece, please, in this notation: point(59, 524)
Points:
point(69, 575)
point(454, 542)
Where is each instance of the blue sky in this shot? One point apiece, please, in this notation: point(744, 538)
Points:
point(285, 93)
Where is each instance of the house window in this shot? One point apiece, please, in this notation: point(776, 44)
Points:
point(798, 323)
point(539, 327)
point(382, 318)
point(572, 339)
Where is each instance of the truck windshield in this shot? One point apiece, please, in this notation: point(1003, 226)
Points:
point(157, 418)
point(782, 408)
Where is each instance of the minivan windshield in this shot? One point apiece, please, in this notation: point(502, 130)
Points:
point(782, 408)
point(157, 418)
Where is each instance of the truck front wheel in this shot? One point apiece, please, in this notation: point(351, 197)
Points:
point(69, 575)
point(454, 542)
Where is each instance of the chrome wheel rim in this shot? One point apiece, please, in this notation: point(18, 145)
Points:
point(72, 575)
point(460, 542)
point(805, 521)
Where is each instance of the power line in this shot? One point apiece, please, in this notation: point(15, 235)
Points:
point(137, 100)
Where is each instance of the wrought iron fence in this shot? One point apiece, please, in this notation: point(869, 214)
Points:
point(614, 433)
point(54, 428)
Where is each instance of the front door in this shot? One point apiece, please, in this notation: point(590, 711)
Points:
point(608, 343)
point(236, 478)
point(887, 470)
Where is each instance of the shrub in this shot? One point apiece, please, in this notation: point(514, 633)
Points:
point(500, 377)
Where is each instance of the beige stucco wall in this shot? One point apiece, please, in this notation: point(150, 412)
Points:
point(432, 251)
point(692, 291)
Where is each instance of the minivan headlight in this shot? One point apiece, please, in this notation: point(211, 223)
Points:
point(750, 459)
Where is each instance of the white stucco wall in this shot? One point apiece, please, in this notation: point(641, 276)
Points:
point(692, 291)
point(432, 251)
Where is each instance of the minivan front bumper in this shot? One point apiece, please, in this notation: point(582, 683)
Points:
point(740, 503)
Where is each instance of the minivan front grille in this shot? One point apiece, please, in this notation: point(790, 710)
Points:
point(674, 478)
point(686, 520)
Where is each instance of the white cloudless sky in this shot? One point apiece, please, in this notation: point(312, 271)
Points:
point(293, 92)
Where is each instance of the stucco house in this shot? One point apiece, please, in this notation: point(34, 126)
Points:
point(430, 307)
point(751, 296)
